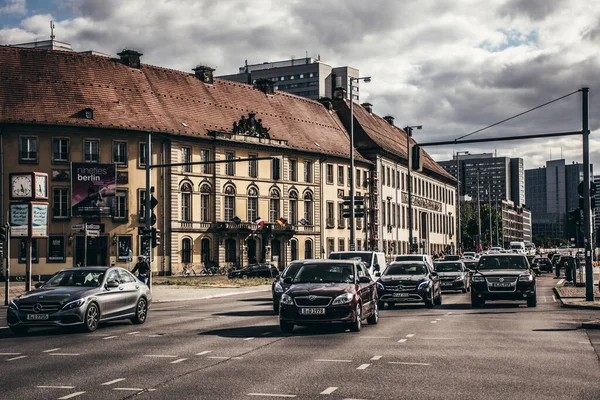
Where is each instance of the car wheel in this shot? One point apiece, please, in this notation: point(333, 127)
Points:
point(92, 318)
point(438, 300)
point(429, 301)
point(381, 305)
point(532, 301)
point(374, 318)
point(286, 327)
point(357, 324)
point(276, 307)
point(19, 330)
point(141, 312)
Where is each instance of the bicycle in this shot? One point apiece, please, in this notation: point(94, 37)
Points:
point(188, 270)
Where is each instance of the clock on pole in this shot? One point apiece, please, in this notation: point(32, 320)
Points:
point(29, 186)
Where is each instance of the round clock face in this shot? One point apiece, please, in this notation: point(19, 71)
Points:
point(41, 186)
point(22, 186)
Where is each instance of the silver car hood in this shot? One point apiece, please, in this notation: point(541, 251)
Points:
point(452, 273)
point(60, 294)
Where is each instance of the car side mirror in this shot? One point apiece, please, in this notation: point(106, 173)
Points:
point(277, 277)
point(288, 280)
point(376, 267)
point(39, 285)
point(112, 284)
point(433, 273)
point(364, 279)
point(378, 274)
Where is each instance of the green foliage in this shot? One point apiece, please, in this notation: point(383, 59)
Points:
point(470, 221)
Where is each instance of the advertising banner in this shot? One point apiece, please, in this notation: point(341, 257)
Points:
point(39, 220)
point(93, 189)
point(19, 220)
point(56, 249)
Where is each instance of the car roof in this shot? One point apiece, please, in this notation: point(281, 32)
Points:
point(408, 262)
point(503, 255)
point(327, 261)
point(447, 262)
point(100, 269)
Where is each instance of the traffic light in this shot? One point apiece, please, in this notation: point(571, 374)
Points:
point(359, 206)
point(574, 216)
point(416, 158)
point(4, 231)
point(155, 237)
point(347, 204)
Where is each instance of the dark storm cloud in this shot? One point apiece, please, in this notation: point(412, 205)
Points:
point(95, 10)
point(533, 9)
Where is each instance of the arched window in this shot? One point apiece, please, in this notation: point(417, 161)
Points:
point(229, 203)
point(293, 209)
point(186, 250)
point(252, 203)
point(205, 191)
point(294, 249)
point(308, 208)
point(186, 202)
point(308, 250)
point(205, 250)
point(274, 205)
point(230, 250)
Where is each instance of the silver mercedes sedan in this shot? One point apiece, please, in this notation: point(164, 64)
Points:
point(81, 297)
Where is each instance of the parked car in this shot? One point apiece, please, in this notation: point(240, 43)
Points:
point(329, 291)
point(255, 271)
point(409, 282)
point(503, 277)
point(81, 297)
point(453, 275)
point(374, 260)
point(279, 285)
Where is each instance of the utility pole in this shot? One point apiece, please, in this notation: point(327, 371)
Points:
point(490, 211)
point(587, 216)
point(148, 205)
point(478, 214)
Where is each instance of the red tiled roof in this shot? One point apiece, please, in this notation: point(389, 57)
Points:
point(53, 87)
point(388, 137)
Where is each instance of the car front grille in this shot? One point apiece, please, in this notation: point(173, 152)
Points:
point(448, 278)
point(312, 301)
point(399, 287)
point(507, 279)
point(46, 307)
point(495, 280)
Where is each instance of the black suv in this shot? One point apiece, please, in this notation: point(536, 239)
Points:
point(503, 277)
point(409, 282)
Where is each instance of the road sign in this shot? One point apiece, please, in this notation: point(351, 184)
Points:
point(93, 233)
point(592, 189)
point(93, 227)
point(78, 227)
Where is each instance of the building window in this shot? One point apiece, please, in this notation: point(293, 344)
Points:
point(308, 171)
point(340, 175)
point(229, 167)
point(29, 149)
point(230, 253)
point(56, 249)
point(120, 153)
point(274, 205)
point(294, 249)
point(308, 249)
point(186, 157)
point(142, 154)
point(293, 170)
point(341, 245)
point(330, 219)
point(186, 202)
point(330, 174)
point(359, 244)
point(60, 202)
point(357, 178)
point(252, 166)
point(341, 219)
point(60, 150)
point(293, 210)
point(205, 156)
point(330, 246)
point(308, 208)
point(142, 204)
point(120, 204)
point(205, 191)
point(186, 250)
point(91, 150)
point(252, 204)
point(229, 203)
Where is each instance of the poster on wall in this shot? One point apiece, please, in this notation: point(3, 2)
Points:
point(125, 251)
point(19, 220)
point(93, 189)
point(39, 220)
point(23, 250)
point(56, 249)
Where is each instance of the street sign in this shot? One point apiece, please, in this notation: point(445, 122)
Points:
point(93, 233)
point(78, 227)
point(93, 227)
point(592, 189)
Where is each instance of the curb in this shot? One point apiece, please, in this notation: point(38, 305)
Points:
point(574, 305)
point(591, 324)
point(214, 296)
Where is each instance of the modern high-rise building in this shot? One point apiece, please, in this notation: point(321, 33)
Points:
point(306, 77)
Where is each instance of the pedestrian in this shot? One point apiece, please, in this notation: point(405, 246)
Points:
point(143, 270)
point(569, 269)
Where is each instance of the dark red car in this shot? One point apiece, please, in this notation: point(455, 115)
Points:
point(329, 291)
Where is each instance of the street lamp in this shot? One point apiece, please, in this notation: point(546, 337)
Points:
point(458, 233)
point(408, 131)
point(366, 79)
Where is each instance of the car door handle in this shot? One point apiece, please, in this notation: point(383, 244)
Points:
point(120, 287)
point(137, 286)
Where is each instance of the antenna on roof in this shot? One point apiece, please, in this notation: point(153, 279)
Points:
point(52, 30)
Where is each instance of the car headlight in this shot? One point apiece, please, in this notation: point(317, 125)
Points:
point(526, 278)
point(343, 299)
point(278, 288)
point(424, 285)
point(13, 305)
point(380, 285)
point(286, 299)
point(73, 304)
point(477, 278)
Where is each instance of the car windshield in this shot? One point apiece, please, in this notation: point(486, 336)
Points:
point(76, 277)
point(504, 262)
point(448, 267)
point(325, 273)
point(408, 258)
point(406, 269)
point(291, 270)
point(364, 257)
point(452, 258)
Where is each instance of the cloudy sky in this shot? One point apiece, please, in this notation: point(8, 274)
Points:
point(454, 66)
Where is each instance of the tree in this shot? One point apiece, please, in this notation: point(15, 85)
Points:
point(470, 221)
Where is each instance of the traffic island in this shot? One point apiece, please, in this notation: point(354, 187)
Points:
point(574, 297)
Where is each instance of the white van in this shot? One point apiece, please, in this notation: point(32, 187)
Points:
point(426, 258)
point(375, 260)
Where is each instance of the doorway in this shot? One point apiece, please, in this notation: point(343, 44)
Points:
point(205, 250)
point(97, 251)
point(251, 243)
point(276, 252)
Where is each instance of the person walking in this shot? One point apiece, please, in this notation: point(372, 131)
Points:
point(143, 270)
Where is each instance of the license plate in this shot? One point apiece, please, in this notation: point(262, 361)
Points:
point(501, 284)
point(37, 317)
point(446, 283)
point(312, 311)
point(400, 294)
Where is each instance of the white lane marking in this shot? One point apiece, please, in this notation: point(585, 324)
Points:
point(588, 342)
point(64, 354)
point(560, 282)
point(159, 356)
point(554, 298)
point(436, 338)
point(410, 335)
point(363, 366)
point(375, 358)
point(375, 337)
point(449, 313)
point(71, 395)
point(402, 340)
point(406, 363)
point(130, 389)
point(51, 350)
point(438, 319)
point(155, 335)
point(15, 358)
point(265, 333)
point(325, 360)
point(112, 382)
point(10, 354)
point(236, 358)
point(434, 322)
point(133, 333)
point(271, 395)
point(203, 352)
point(178, 360)
point(249, 338)
point(109, 337)
point(329, 390)
point(55, 387)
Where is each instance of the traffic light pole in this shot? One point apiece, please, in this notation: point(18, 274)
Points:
point(587, 216)
point(148, 206)
point(6, 283)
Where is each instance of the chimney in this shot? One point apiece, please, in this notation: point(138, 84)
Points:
point(368, 107)
point(265, 85)
point(326, 101)
point(389, 119)
point(339, 93)
point(131, 58)
point(204, 73)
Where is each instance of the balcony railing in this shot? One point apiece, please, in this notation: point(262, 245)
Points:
point(191, 226)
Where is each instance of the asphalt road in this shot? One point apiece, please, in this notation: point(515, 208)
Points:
point(231, 348)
